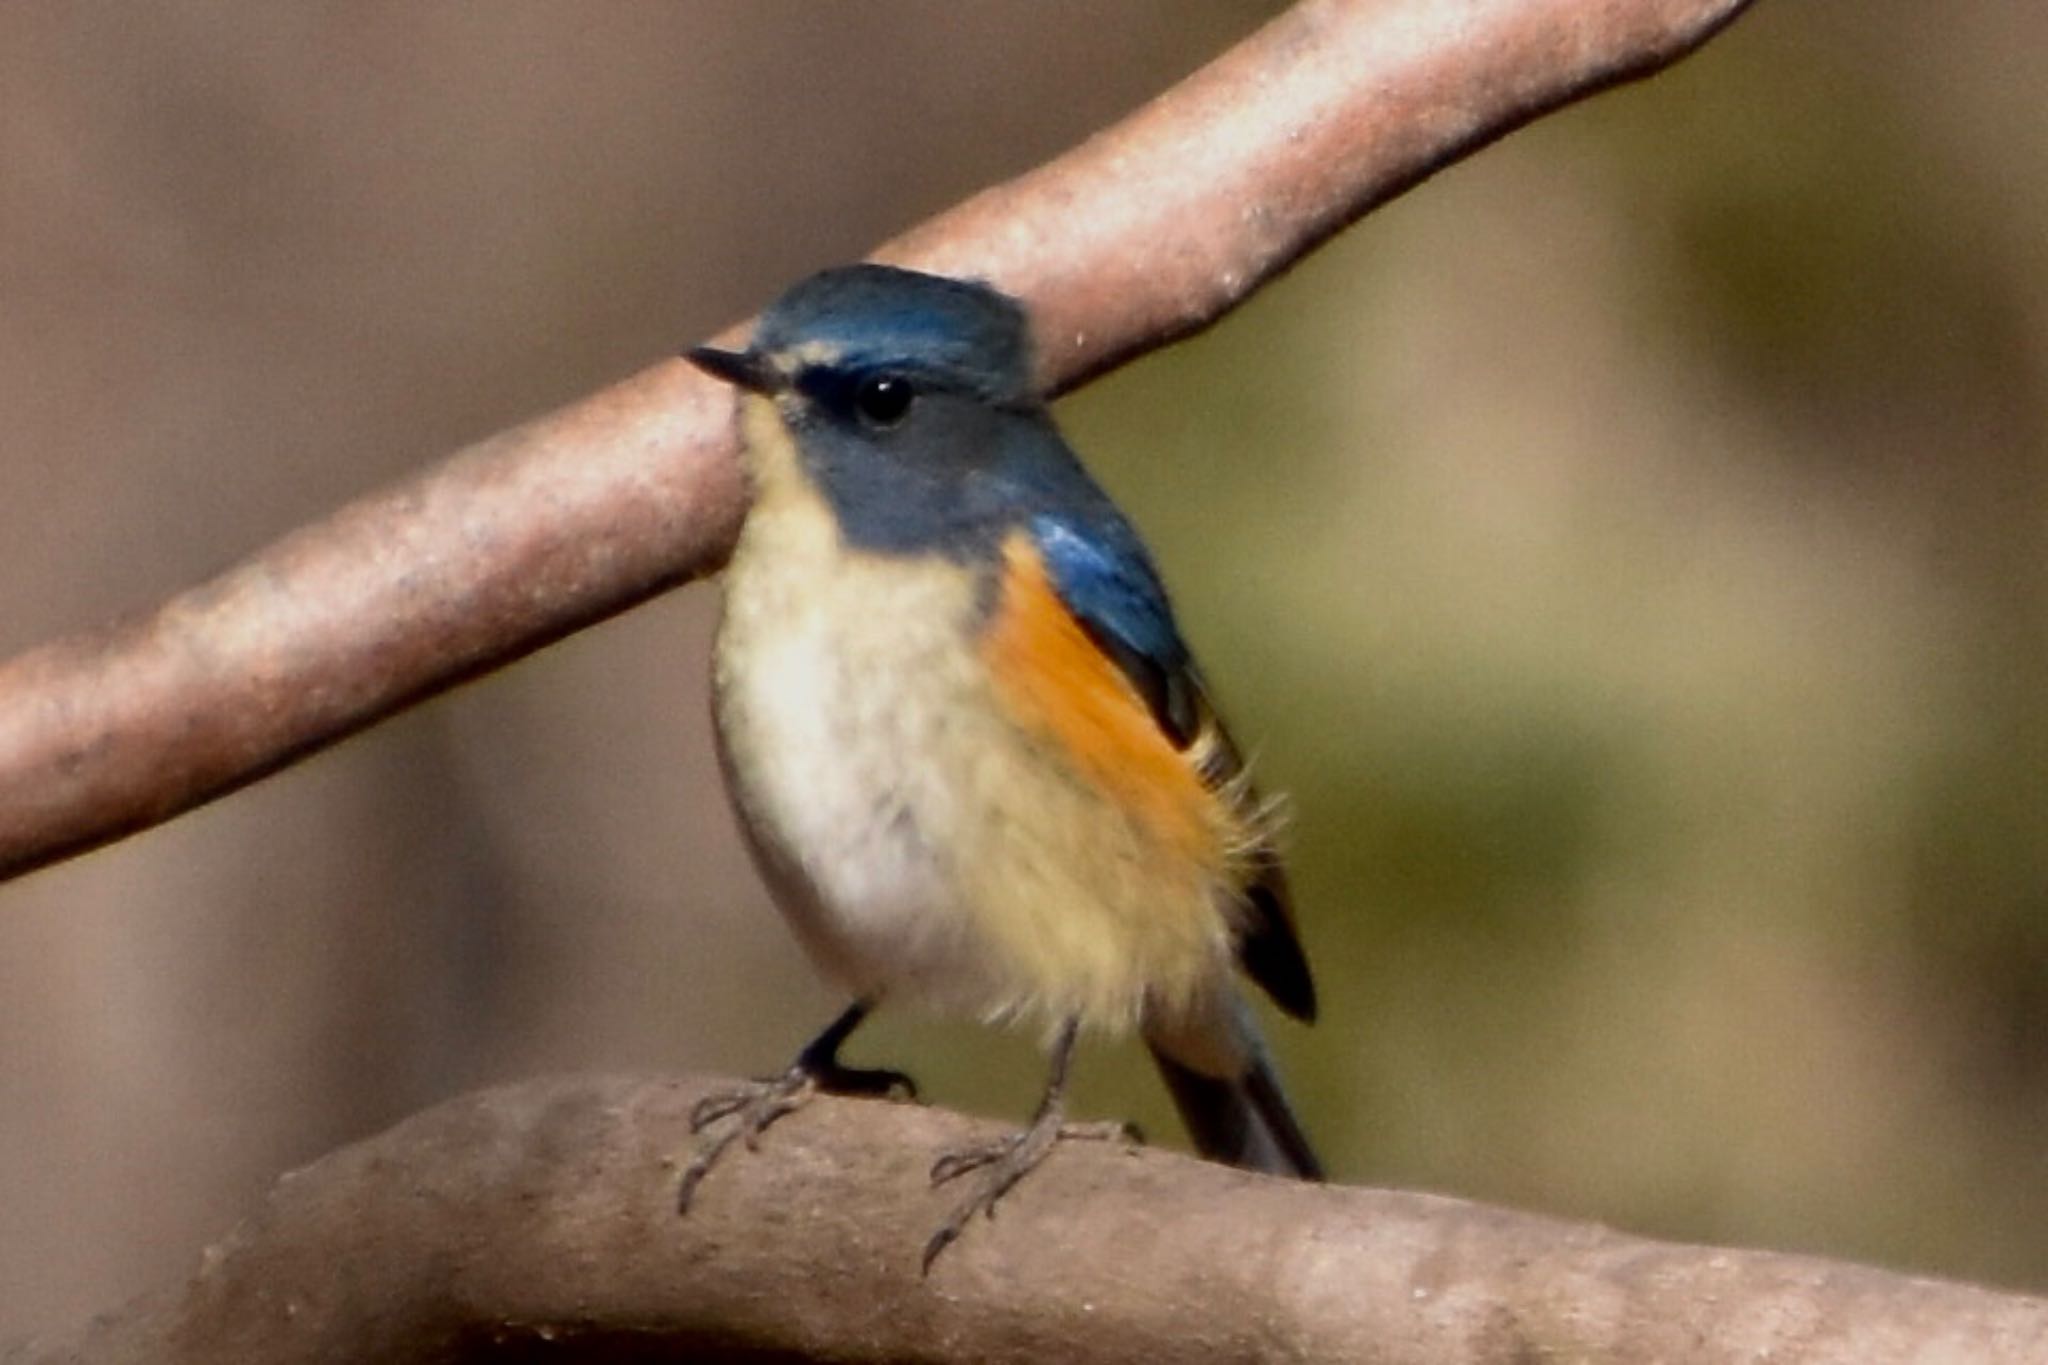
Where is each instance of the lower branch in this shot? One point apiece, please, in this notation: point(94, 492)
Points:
point(541, 1218)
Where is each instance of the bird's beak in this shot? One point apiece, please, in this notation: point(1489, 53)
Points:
point(745, 369)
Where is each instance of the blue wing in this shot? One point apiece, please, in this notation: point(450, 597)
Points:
point(1106, 579)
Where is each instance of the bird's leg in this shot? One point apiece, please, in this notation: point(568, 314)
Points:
point(759, 1103)
point(816, 1068)
point(1008, 1159)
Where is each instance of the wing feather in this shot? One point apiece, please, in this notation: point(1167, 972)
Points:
point(1106, 580)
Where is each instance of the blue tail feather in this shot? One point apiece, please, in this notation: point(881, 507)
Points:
point(1243, 1121)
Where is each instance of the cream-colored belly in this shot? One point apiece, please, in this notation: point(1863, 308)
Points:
point(824, 749)
point(921, 844)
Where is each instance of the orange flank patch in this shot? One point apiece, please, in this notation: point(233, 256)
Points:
point(1055, 682)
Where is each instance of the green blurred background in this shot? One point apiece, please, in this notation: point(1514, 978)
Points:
point(1626, 549)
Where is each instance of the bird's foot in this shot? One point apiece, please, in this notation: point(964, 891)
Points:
point(756, 1105)
point(1003, 1162)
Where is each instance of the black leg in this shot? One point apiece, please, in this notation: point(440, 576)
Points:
point(820, 1058)
point(1009, 1159)
point(758, 1104)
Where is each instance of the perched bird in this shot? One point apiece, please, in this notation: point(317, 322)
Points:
point(972, 755)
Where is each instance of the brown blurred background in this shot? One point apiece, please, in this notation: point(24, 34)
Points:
point(1627, 549)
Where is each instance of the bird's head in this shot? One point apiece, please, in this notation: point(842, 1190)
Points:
point(862, 345)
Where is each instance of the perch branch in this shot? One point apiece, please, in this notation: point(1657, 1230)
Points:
point(1144, 233)
point(541, 1217)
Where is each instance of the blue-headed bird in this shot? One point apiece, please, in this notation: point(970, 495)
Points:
point(969, 749)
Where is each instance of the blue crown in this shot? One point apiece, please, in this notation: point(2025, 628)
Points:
point(882, 317)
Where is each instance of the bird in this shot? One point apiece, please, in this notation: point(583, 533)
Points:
point(966, 743)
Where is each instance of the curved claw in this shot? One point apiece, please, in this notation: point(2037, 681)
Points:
point(712, 1108)
point(758, 1104)
point(947, 1234)
point(1010, 1158)
point(699, 1167)
point(958, 1162)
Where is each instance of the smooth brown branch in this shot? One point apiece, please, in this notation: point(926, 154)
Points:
point(541, 1217)
point(1144, 233)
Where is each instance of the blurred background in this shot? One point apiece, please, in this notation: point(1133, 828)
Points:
point(1626, 548)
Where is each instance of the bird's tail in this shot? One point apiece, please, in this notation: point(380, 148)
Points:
point(1243, 1121)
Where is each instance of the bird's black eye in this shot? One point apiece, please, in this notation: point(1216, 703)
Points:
point(883, 398)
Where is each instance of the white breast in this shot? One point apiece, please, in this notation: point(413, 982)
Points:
point(838, 675)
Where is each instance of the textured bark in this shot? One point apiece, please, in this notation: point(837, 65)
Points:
point(539, 1220)
point(1145, 233)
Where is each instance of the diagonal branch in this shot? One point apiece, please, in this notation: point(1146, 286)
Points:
point(540, 1218)
point(1145, 233)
